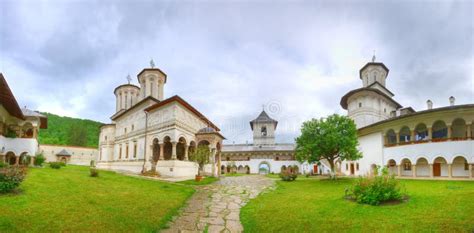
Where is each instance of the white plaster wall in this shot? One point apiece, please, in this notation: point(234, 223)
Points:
point(19, 145)
point(275, 166)
point(423, 169)
point(79, 155)
point(372, 153)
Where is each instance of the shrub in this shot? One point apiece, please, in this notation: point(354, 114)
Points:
point(62, 164)
point(288, 175)
point(3, 165)
point(39, 160)
point(11, 178)
point(374, 190)
point(55, 165)
point(94, 172)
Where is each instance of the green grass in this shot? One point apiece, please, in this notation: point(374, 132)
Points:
point(205, 181)
point(312, 205)
point(235, 174)
point(68, 200)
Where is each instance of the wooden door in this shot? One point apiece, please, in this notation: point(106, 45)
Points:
point(352, 169)
point(315, 169)
point(437, 169)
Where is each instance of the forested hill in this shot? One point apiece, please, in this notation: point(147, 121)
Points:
point(70, 131)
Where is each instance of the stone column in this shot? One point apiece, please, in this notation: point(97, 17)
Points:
point(186, 150)
point(399, 170)
point(17, 160)
point(412, 136)
point(430, 133)
point(470, 171)
point(213, 162)
point(32, 161)
point(173, 151)
point(398, 137)
point(413, 169)
point(162, 151)
point(450, 131)
point(450, 171)
point(469, 131)
point(431, 171)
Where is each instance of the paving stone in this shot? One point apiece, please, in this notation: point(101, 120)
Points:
point(217, 206)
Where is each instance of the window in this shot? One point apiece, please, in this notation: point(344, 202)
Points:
point(360, 105)
point(385, 110)
point(125, 130)
point(466, 166)
point(126, 151)
point(133, 127)
point(347, 166)
point(135, 150)
point(228, 159)
point(264, 131)
point(248, 158)
point(120, 152)
point(277, 158)
point(407, 166)
point(357, 166)
point(105, 138)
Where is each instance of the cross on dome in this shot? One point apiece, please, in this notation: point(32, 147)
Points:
point(152, 63)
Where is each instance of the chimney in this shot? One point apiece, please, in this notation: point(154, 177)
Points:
point(452, 100)
point(430, 104)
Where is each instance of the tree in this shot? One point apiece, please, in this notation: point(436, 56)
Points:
point(332, 138)
point(200, 156)
point(77, 135)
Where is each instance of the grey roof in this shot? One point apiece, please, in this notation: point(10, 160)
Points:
point(263, 118)
point(207, 130)
point(28, 112)
point(63, 152)
point(252, 147)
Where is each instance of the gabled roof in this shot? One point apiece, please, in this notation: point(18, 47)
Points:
point(8, 101)
point(382, 86)
point(63, 152)
point(123, 111)
point(180, 100)
point(30, 113)
point(373, 63)
point(263, 118)
point(377, 91)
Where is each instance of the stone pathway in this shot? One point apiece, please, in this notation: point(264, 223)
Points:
point(216, 207)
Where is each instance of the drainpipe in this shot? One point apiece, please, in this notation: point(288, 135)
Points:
point(144, 150)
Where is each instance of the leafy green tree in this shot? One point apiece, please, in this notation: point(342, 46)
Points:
point(200, 156)
point(77, 135)
point(332, 138)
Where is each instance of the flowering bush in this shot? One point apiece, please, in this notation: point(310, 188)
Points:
point(288, 174)
point(374, 190)
point(11, 178)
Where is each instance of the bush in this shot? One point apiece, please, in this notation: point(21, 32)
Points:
point(39, 160)
point(288, 175)
point(55, 165)
point(3, 165)
point(62, 164)
point(11, 178)
point(94, 172)
point(374, 190)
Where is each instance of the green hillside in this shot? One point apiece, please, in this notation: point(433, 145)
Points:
point(70, 131)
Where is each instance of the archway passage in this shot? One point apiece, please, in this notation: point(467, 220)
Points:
point(460, 167)
point(156, 150)
point(440, 167)
point(180, 148)
point(222, 169)
point(440, 130)
point(167, 148)
point(406, 167)
point(392, 167)
point(264, 168)
point(10, 158)
point(24, 159)
point(422, 167)
point(247, 169)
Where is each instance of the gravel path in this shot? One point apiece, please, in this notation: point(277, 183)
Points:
point(216, 207)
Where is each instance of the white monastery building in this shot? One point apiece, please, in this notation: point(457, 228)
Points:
point(432, 143)
point(19, 129)
point(149, 132)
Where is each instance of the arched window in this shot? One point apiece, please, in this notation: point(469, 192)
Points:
point(391, 137)
point(421, 132)
point(459, 129)
point(264, 131)
point(407, 165)
point(405, 134)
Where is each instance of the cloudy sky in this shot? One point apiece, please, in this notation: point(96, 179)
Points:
point(298, 58)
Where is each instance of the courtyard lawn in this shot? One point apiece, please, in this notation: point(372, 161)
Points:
point(68, 200)
point(313, 205)
point(205, 181)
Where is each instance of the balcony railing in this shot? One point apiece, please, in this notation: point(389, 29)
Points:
point(429, 140)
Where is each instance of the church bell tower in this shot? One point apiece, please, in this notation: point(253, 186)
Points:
point(263, 128)
point(152, 81)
